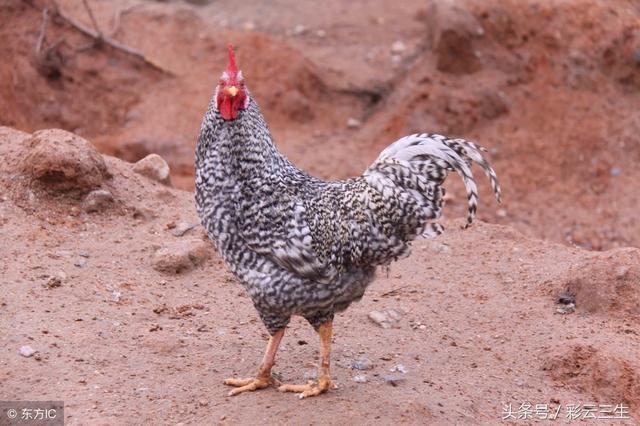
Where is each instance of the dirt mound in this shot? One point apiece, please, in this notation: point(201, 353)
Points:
point(61, 161)
point(607, 283)
point(68, 83)
point(603, 374)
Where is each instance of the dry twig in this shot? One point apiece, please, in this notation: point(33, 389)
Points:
point(93, 19)
point(43, 30)
point(100, 38)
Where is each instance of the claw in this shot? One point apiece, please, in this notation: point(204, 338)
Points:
point(310, 389)
point(250, 385)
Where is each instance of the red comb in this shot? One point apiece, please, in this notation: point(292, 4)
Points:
point(232, 68)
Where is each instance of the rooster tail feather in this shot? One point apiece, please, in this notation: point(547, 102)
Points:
point(430, 156)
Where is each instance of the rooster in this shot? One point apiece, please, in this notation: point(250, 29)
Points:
point(304, 246)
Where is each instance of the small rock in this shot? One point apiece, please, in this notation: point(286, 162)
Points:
point(321, 33)
point(154, 167)
point(144, 213)
point(360, 378)
point(116, 295)
point(56, 280)
point(615, 171)
point(399, 368)
point(353, 123)
point(566, 309)
point(362, 364)
point(398, 47)
point(393, 380)
point(203, 402)
point(81, 262)
point(182, 228)
point(62, 161)
point(387, 318)
point(249, 26)
point(97, 200)
point(501, 213)
point(181, 255)
point(299, 29)
point(437, 246)
point(27, 351)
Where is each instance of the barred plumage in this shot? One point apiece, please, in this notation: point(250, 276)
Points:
point(308, 247)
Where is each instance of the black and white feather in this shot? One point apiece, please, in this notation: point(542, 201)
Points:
point(303, 246)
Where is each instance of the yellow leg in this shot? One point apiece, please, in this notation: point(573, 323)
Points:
point(263, 378)
point(324, 377)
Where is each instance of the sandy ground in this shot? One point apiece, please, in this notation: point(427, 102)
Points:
point(550, 87)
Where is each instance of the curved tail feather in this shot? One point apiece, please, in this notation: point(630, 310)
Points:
point(431, 156)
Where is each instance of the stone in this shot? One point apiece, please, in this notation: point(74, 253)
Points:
point(182, 255)
point(155, 168)
point(387, 318)
point(27, 351)
point(398, 47)
point(97, 200)
point(62, 161)
point(360, 378)
point(362, 364)
point(353, 123)
point(393, 380)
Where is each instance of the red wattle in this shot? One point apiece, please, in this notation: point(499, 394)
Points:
point(227, 110)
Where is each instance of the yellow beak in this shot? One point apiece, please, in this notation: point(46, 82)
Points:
point(232, 91)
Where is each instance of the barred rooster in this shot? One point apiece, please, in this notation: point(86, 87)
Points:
point(303, 246)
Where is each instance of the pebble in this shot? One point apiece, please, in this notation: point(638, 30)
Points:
point(393, 380)
point(360, 378)
point(154, 167)
point(615, 171)
point(299, 29)
point(353, 123)
point(97, 200)
point(321, 33)
point(56, 280)
point(181, 255)
point(399, 368)
point(249, 26)
point(501, 213)
point(182, 228)
point(362, 364)
point(398, 47)
point(566, 309)
point(27, 351)
point(81, 262)
point(387, 318)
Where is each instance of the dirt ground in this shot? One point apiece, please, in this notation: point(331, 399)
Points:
point(552, 88)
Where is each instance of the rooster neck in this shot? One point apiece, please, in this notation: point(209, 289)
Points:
point(236, 145)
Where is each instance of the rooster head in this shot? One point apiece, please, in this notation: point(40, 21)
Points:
point(231, 93)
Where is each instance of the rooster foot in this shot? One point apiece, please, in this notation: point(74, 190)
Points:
point(310, 389)
point(249, 385)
